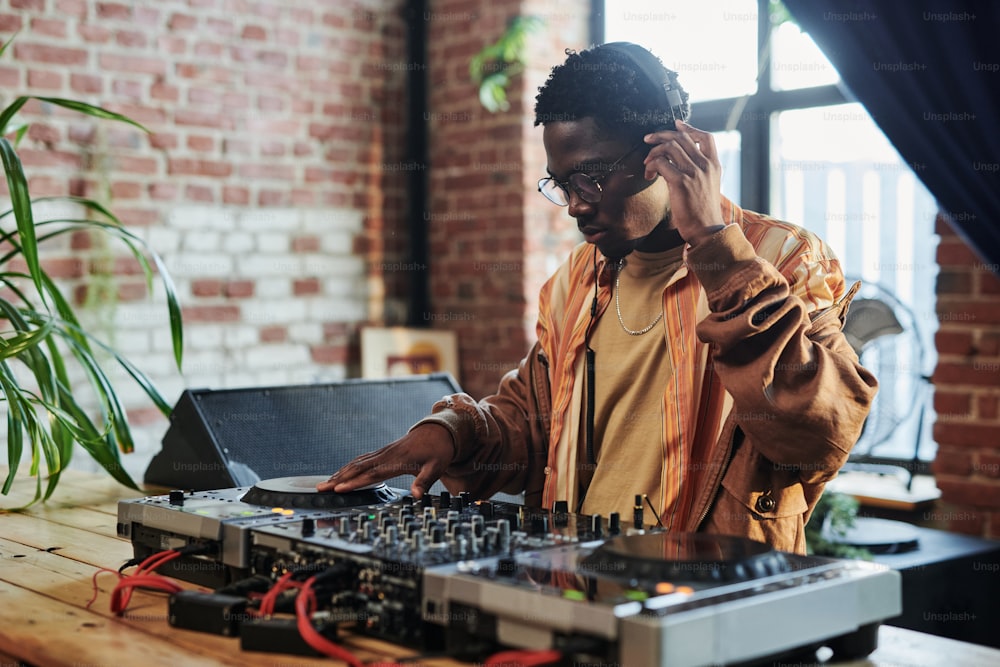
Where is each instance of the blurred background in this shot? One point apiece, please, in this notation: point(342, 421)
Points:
point(316, 169)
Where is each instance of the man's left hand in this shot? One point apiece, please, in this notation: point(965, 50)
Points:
point(687, 160)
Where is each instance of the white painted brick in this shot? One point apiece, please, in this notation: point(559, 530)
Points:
point(237, 243)
point(204, 337)
point(324, 221)
point(271, 242)
point(337, 310)
point(162, 240)
point(269, 265)
point(271, 357)
point(199, 265)
point(321, 265)
point(202, 218)
point(268, 220)
point(273, 288)
point(240, 336)
point(345, 287)
point(336, 243)
point(267, 313)
point(201, 366)
point(306, 332)
point(140, 315)
point(201, 241)
point(131, 342)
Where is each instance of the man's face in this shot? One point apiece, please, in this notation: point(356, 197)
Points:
point(630, 207)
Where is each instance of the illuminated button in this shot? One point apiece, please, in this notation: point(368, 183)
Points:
point(665, 587)
point(277, 510)
point(572, 594)
point(686, 590)
point(638, 596)
point(287, 512)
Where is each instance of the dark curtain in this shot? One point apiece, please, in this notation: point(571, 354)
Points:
point(929, 74)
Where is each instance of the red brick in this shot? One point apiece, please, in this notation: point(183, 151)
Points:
point(94, 34)
point(163, 191)
point(239, 289)
point(955, 252)
point(64, 267)
point(132, 291)
point(954, 282)
point(968, 522)
point(273, 334)
point(212, 314)
point(948, 341)
point(200, 118)
point(138, 217)
point(254, 32)
point(10, 76)
point(200, 193)
point(164, 92)
point(86, 83)
point(993, 526)
point(305, 244)
point(29, 5)
point(10, 24)
point(978, 372)
point(235, 195)
point(952, 405)
point(305, 286)
point(207, 287)
point(45, 53)
point(967, 434)
point(49, 26)
point(179, 167)
point(201, 143)
point(182, 22)
point(951, 461)
point(967, 311)
point(114, 10)
point(81, 240)
point(136, 165)
point(126, 190)
point(987, 464)
point(329, 354)
point(988, 343)
point(131, 39)
point(132, 64)
point(989, 284)
point(162, 140)
point(973, 494)
point(987, 406)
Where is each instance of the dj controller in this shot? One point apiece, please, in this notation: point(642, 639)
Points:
point(450, 573)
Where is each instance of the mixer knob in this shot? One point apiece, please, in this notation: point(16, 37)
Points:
point(308, 527)
point(456, 503)
point(486, 510)
point(466, 498)
point(596, 528)
point(614, 523)
point(176, 498)
point(445, 500)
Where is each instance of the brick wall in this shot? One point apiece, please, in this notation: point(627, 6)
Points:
point(270, 181)
point(492, 236)
point(967, 390)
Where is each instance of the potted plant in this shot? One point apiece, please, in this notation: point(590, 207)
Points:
point(40, 334)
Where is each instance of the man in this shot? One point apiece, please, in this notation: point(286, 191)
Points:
point(689, 352)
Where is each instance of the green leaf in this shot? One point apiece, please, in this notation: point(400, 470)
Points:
point(17, 184)
point(91, 110)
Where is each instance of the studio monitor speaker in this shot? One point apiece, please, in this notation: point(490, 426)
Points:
point(225, 438)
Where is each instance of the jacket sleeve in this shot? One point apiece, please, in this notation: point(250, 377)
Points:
point(798, 391)
point(501, 440)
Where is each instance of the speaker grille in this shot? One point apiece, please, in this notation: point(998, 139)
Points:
point(315, 429)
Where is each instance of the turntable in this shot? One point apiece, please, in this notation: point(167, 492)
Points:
point(655, 598)
point(217, 523)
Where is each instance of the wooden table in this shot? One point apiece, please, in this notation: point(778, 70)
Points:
point(49, 554)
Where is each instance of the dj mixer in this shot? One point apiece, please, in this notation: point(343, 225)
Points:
point(455, 574)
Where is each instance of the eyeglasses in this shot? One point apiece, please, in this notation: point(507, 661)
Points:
point(588, 187)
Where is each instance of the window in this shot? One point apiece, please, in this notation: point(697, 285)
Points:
point(795, 145)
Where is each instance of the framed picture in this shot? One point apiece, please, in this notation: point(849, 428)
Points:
point(398, 351)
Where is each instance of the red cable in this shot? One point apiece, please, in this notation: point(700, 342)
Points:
point(305, 605)
point(144, 577)
point(523, 658)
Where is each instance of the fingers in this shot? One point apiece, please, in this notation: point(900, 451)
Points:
point(686, 150)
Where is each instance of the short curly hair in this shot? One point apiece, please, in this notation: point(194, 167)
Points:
point(605, 84)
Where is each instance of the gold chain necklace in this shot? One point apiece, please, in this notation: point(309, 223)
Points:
point(618, 306)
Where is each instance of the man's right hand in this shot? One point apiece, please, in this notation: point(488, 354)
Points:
point(425, 452)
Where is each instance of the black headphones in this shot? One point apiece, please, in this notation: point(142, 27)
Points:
point(662, 80)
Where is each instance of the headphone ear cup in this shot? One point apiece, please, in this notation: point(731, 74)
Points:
point(660, 80)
